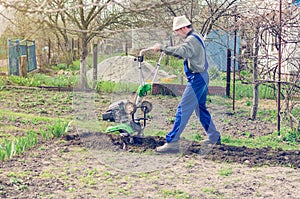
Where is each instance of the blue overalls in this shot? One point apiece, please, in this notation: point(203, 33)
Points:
point(194, 99)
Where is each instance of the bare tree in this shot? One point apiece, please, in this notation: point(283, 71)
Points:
point(264, 50)
point(204, 14)
point(83, 19)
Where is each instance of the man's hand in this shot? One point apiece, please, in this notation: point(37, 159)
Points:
point(157, 47)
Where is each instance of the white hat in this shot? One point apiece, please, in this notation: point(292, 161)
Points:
point(180, 22)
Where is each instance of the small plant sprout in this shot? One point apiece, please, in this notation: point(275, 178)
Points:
point(225, 171)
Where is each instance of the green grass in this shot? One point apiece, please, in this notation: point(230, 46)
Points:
point(246, 90)
point(296, 112)
point(48, 175)
point(34, 80)
point(3, 82)
point(287, 141)
point(169, 64)
point(175, 193)
point(225, 171)
point(91, 125)
point(29, 117)
point(40, 101)
point(267, 115)
point(212, 192)
point(111, 86)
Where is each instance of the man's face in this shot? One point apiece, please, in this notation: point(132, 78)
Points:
point(181, 32)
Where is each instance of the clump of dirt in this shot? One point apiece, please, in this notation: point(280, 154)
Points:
point(114, 142)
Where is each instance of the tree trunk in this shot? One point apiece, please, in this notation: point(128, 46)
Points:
point(95, 65)
point(83, 79)
point(255, 102)
point(255, 75)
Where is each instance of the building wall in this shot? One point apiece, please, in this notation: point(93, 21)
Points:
point(217, 43)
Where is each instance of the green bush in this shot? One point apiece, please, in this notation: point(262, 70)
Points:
point(22, 81)
point(291, 136)
point(75, 66)
point(105, 86)
point(60, 66)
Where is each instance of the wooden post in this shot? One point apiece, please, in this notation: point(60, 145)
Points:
point(23, 65)
point(72, 49)
point(279, 67)
point(39, 55)
point(95, 64)
point(228, 72)
point(78, 47)
point(49, 51)
point(234, 67)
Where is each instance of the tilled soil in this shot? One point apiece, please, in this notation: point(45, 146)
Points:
point(219, 153)
point(63, 169)
point(93, 164)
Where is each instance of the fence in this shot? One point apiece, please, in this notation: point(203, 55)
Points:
point(15, 50)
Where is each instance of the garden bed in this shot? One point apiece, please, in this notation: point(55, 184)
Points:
point(92, 164)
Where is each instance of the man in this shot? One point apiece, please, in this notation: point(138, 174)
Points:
point(194, 97)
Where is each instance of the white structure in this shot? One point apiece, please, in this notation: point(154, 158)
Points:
point(268, 54)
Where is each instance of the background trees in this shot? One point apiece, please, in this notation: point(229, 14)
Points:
point(91, 21)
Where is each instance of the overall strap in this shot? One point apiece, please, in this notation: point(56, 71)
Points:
point(202, 43)
point(190, 75)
